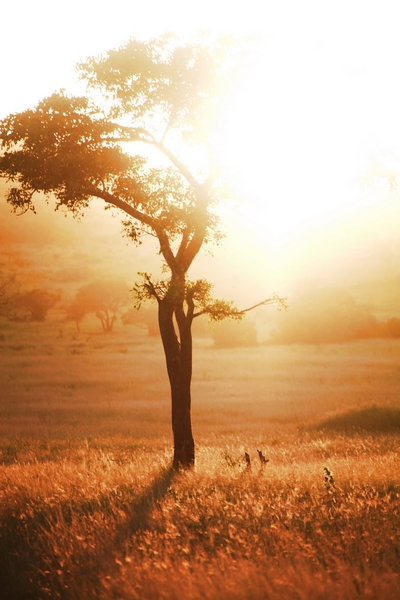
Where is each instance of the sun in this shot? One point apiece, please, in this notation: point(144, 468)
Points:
point(294, 166)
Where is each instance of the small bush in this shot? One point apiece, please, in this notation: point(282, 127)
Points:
point(372, 419)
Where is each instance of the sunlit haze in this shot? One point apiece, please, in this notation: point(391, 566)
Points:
point(258, 457)
point(318, 112)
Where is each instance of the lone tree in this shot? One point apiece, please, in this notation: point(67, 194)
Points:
point(103, 298)
point(142, 140)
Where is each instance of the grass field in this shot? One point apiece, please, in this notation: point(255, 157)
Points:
point(89, 507)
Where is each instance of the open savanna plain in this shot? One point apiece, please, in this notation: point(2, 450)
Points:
point(89, 507)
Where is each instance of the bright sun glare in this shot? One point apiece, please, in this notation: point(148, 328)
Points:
point(296, 152)
point(322, 96)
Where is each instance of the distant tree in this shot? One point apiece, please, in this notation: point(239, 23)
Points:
point(103, 298)
point(5, 295)
point(32, 305)
point(76, 312)
point(148, 149)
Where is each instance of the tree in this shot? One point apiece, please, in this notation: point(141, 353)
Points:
point(148, 149)
point(103, 298)
point(6, 292)
point(32, 305)
point(28, 305)
point(76, 312)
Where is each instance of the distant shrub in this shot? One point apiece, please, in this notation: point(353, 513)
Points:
point(4, 301)
point(371, 419)
point(32, 305)
point(331, 316)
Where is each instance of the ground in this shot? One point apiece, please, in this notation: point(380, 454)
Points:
point(89, 507)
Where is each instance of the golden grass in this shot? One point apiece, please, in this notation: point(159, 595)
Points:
point(89, 507)
point(105, 527)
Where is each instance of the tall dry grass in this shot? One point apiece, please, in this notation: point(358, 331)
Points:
point(97, 525)
point(89, 507)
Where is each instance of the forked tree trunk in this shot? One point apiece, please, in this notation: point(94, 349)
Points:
point(178, 356)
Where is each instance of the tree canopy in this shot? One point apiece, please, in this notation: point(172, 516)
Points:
point(160, 93)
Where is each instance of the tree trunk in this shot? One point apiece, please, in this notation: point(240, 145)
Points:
point(178, 356)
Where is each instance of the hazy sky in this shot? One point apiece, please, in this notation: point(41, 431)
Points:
point(322, 102)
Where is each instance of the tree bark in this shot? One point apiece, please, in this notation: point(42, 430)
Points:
point(178, 354)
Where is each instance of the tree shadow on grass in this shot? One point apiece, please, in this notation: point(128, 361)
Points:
point(139, 512)
point(142, 507)
point(24, 551)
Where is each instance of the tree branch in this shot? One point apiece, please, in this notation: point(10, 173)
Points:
point(183, 244)
point(139, 134)
point(221, 309)
point(124, 206)
point(151, 287)
point(274, 299)
point(155, 224)
point(166, 250)
point(187, 250)
point(190, 305)
point(184, 171)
